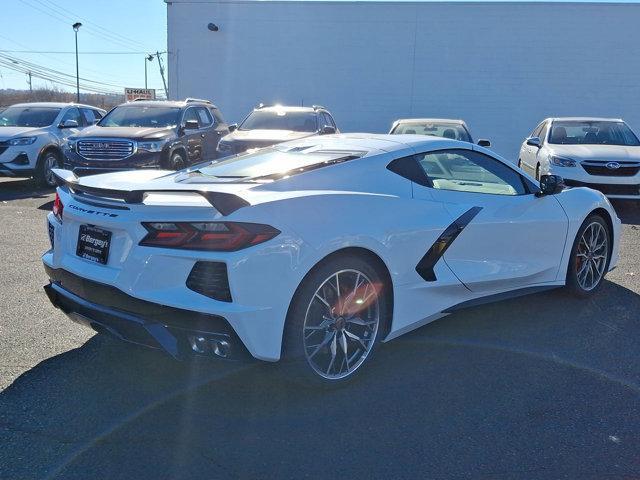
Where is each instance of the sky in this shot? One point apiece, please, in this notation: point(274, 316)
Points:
point(32, 30)
point(129, 27)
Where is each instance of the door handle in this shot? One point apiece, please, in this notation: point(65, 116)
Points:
point(202, 135)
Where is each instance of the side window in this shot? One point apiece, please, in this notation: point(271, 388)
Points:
point(204, 117)
point(97, 114)
point(328, 120)
point(191, 114)
point(89, 116)
point(543, 133)
point(217, 115)
point(469, 171)
point(536, 131)
point(73, 114)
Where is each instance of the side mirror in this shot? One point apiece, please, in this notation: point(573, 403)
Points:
point(191, 125)
point(69, 124)
point(327, 130)
point(534, 142)
point(233, 127)
point(550, 185)
point(484, 142)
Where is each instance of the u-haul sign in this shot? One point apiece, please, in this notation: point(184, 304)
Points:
point(131, 94)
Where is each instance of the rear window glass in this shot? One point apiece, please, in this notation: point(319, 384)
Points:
point(281, 120)
point(274, 162)
point(454, 131)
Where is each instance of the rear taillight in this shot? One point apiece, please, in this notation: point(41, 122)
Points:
point(58, 207)
point(211, 236)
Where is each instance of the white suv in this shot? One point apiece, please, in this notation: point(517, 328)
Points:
point(32, 134)
point(600, 153)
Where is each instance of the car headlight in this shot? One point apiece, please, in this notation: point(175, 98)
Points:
point(224, 146)
point(561, 161)
point(155, 146)
point(22, 141)
point(69, 144)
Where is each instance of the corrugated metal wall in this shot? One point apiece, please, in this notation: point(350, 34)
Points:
point(502, 67)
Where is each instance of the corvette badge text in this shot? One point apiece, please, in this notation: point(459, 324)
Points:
point(94, 212)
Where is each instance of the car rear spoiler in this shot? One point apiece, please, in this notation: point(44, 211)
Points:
point(225, 203)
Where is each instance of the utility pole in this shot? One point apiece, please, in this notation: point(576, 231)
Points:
point(29, 82)
point(164, 82)
point(76, 26)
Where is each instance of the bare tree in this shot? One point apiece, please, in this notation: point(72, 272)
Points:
point(10, 97)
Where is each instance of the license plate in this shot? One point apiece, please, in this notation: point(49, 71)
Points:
point(93, 243)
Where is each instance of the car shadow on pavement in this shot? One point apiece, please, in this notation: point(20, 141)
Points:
point(628, 211)
point(22, 189)
point(545, 386)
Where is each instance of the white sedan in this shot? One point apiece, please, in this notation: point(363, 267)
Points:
point(317, 250)
point(600, 153)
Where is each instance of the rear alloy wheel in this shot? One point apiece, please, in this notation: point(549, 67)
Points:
point(589, 256)
point(335, 321)
point(44, 174)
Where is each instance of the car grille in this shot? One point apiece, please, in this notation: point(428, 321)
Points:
point(626, 169)
point(105, 149)
point(210, 279)
point(607, 189)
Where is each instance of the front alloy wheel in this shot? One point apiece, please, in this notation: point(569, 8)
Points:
point(589, 256)
point(44, 174)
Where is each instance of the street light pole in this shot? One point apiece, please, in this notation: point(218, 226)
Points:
point(148, 58)
point(76, 26)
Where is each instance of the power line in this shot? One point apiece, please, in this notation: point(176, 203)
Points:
point(51, 70)
point(47, 56)
point(95, 25)
point(57, 80)
point(52, 13)
point(58, 52)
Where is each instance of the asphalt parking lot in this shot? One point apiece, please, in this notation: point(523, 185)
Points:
point(545, 386)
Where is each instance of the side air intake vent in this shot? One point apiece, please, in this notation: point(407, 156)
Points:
point(210, 279)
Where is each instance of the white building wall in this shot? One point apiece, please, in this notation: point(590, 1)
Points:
point(502, 67)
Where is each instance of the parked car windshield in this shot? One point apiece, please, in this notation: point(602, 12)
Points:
point(28, 116)
point(271, 163)
point(454, 131)
point(575, 132)
point(141, 116)
point(280, 120)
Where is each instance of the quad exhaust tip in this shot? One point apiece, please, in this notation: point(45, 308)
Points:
point(204, 345)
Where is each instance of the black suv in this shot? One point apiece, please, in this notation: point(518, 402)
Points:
point(147, 134)
point(268, 125)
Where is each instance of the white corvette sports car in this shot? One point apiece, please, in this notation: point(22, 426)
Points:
point(316, 250)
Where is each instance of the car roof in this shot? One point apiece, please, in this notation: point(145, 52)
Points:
point(279, 108)
point(168, 103)
point(430, 120)
point(55, 105)
point(585, 119)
